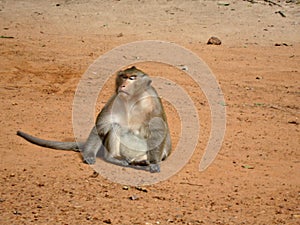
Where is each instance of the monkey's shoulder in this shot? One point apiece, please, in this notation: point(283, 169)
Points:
point(150, 100)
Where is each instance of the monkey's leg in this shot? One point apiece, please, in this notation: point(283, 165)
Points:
point(91, 147)
point(155, 142)
point(153, 156)
point(112, 146)
point(167, 146)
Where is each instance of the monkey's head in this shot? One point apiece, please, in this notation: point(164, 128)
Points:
point(132, 82)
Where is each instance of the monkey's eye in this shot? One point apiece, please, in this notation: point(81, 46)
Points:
point(124, 77)
point(132, 78)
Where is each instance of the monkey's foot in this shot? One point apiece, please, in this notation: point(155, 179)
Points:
point(89, 160)
point(154, 168)
point(117, 161)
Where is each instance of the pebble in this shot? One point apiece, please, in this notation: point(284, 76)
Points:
point(214, 41)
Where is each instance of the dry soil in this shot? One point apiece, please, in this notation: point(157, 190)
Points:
point(46, 46)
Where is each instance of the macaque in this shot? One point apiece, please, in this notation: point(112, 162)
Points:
point(131, 129)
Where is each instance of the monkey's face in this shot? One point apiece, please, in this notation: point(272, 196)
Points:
point(126, 83)
point(132, 82)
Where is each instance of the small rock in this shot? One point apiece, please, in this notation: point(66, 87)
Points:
point(293, 122)
point(88, 217)
point(223, 3)
point(16, 212)
point(134, 197)
point(141, 189)
point(248, 167)
point(125, 188)
point(40, 184)
point(280, 13)
point(107, 221)
point(120, 35)
point(281, 44)
point(214, 41)
point(183, 67)
point(94, 175)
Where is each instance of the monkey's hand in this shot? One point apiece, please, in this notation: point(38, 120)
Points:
point(154, 168)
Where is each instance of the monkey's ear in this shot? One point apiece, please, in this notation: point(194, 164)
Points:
point(148, 80)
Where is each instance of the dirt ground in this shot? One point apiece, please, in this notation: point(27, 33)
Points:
point(46, 46)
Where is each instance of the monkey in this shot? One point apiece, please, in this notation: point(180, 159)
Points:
point(131, 129)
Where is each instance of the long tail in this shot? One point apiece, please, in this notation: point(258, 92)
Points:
point(74, 146)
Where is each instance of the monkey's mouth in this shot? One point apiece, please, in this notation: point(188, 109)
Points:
point(123, 92)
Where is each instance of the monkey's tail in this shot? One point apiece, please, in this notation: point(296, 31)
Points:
point(74, 146)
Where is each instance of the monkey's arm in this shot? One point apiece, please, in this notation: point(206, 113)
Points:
point(91, 147)
point(155, 142)
point(104, 121)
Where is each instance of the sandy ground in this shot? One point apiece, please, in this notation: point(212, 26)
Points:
point(256, 176)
